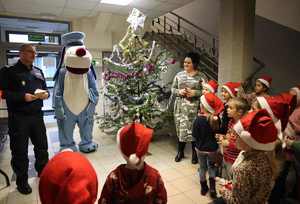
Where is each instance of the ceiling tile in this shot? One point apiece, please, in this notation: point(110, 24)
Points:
point(81, 4)
point(147, 4)
point(125, 10)
point(109, 8)
point(75, 12)
point(79, 8)
point(93, 13)
point(166, 7)
point(45, 10)
point(15, 4)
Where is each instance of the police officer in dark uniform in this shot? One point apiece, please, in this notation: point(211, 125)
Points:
point(21, 83)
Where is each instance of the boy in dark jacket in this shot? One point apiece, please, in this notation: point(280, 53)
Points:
point(206, 144)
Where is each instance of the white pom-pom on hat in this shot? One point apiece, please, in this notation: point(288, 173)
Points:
point(133, 159)
point(245, 133)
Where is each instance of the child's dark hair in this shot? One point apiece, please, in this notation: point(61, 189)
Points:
point(214, 122)
point(265, 86)
point(240, 104)
point(195, 57)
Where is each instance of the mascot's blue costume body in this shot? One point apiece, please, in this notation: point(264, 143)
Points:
point(75, 94)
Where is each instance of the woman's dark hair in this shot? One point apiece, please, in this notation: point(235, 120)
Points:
point(195, 57)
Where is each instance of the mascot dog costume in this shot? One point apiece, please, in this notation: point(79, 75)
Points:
point(75, 94)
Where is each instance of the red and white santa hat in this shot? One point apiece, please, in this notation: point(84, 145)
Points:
point(266, 80)
point(257, 130)
point(289, 99)
point(277, 109)
point(297, 90)
point(232, 88)
point(211, 85)
point(68, 178)
point(133, 141)
point(212, 103)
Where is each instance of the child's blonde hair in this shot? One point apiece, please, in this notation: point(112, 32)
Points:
point(240, 104)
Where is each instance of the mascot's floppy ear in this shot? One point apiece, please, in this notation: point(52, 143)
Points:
point(70, 39)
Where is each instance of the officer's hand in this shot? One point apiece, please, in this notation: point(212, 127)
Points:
point(44, 96)
point(29, 97)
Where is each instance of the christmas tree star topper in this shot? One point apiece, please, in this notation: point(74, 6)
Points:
point(136, 19)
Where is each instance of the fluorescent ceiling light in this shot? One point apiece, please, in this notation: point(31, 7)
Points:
point(117, 2)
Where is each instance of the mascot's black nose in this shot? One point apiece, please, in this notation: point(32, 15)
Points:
point(80, 52)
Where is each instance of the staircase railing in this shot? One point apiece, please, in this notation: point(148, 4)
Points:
point(203, 41)
point(200, 38)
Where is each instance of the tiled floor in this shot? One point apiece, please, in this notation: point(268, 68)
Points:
point(181, 179)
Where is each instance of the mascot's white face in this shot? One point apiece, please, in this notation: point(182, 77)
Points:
point(77, 60)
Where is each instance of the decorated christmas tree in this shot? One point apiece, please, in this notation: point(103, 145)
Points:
point(132, 84)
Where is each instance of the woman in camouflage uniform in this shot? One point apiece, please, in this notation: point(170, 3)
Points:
point(187, 88)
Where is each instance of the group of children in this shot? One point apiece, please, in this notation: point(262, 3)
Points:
point(252, 132)
point(248, 130)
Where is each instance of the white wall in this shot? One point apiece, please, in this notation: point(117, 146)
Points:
point(203, 13)
point(285, 12)
point(101, 31)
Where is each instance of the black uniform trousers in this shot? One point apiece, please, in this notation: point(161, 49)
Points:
point(21, 128)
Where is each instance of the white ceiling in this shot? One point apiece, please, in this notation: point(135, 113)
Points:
point(73, 9)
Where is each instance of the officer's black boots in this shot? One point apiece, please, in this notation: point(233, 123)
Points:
point(24, 188)
point(194, 154)
point(180, 153)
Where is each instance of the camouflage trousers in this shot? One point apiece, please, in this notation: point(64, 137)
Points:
point(185, 112)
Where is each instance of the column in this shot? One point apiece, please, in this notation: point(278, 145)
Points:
point(236, 40)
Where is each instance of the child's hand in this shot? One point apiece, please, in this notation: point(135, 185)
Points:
point(220, 136)
point(225, 143)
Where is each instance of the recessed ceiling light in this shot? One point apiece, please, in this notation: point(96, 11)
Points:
point(117, 2)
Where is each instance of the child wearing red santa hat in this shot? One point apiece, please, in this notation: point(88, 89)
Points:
point(279, 108)
point(68, 178)
point(210, 87)
point(261, 88)
point(262, 85)
point(229, 90)
point(204, 130)
point(255, 168)
point(292, 137)
point(236, 109)
point(135, 182)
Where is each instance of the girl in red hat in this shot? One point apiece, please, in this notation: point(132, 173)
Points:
point(261, 88)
